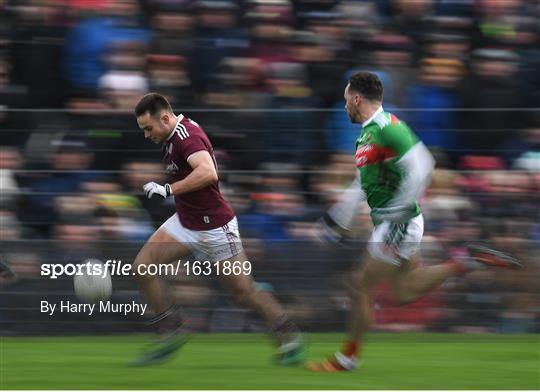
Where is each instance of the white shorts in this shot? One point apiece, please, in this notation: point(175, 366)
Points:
point(213, 245)
point(396, 243)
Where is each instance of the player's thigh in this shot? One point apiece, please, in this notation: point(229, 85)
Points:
point(400, 282)
point(161, 248)
point(390, 250)
point(370, 273)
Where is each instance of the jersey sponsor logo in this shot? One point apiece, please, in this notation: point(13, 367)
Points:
point(171, 168)
point(369, 154)
point(363, 154)
point(365, 139)
point(182, 132)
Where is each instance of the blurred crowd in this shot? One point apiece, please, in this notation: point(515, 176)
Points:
point(265, 79)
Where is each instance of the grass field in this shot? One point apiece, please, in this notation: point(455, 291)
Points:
point(243, 361)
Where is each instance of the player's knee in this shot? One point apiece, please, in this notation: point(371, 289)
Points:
point(403, 291)
point(140, 267)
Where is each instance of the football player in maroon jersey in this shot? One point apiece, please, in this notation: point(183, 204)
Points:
point(204, 225)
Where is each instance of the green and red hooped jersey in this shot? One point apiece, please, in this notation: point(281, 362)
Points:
point(383, 141)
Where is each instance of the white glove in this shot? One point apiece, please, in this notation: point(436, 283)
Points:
point(394, 214)
point(152, 188)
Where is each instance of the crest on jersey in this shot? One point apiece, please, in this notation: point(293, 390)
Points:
point(171, 168)
point(366, 138)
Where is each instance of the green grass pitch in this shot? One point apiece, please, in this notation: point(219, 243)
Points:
point(244, 361)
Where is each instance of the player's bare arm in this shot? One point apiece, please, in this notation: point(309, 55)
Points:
point(204, 173)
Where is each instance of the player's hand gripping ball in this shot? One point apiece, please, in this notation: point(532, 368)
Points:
point(94, 284)
point(153, 188)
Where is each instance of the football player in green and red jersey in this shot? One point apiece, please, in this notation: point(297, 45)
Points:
point(394, 169)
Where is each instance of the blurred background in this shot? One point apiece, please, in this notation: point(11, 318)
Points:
point(265, 79)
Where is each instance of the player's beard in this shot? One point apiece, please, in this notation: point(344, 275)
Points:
point(352, 116)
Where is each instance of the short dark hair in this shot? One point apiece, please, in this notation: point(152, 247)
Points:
point(367, 84)
point(152, 103)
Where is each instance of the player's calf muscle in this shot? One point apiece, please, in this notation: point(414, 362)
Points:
point(241, 287)
point(242, 293)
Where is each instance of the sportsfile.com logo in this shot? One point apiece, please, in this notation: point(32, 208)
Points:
point(119, 268)
point(111, 267)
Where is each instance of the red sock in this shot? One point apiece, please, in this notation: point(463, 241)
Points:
point(350, 348)
point(458, 267)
